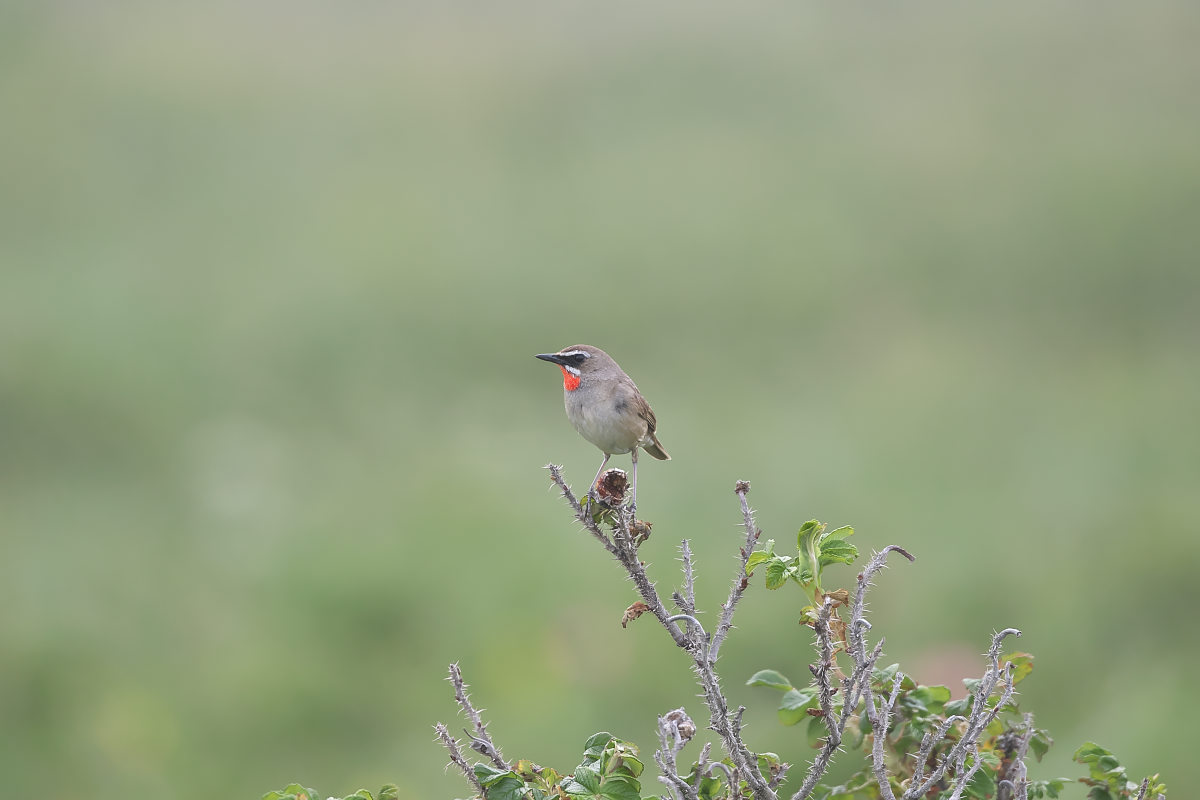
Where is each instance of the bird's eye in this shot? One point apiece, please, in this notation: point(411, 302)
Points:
point(577, 358)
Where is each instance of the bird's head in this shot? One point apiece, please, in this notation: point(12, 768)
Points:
point(578, 362)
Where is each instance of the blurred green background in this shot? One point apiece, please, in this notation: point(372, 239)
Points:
point(272, 436)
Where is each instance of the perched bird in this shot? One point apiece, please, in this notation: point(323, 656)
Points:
point(605, 406)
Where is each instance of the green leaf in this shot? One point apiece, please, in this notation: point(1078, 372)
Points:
point(627, 765)
point(767, 761)
point(808, 530)
point(807, 564)
point(758, 557)
point(618, 787)
point(500, 784)
point(837, 551)
point(584, 782)
point(1022, 665)
point(853, 737)
point(487, 774)
point(932, 698)
point(771, 678)
point(510, 787)
point(779, 569)
point(390, 791)
point(884, 675)
point(795, 704)
point(983, 783)
point(960, 707)
point(293, 791)
point(882, 679)
point(596, 743)
point(1040, 743)
point(1050, 788)
point(1088, 752)
point(816, 732)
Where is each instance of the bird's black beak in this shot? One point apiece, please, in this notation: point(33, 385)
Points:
point(553, 358)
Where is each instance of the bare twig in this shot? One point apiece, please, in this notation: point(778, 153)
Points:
point(687, 600)
point(965, 776)
point(702, 766)
point(624, 550)
point(728, 727)
point(1015, 783)
point(580, 514)
point(623, 547)
point(881, 719)
point(928, 742)
point(456, 757)
point(779, 775)
point(834, 724)
point(980, 716)
point(855, 686)
point(740, 580)
point(675, 729)
point(1143, 790)
point(481, 741)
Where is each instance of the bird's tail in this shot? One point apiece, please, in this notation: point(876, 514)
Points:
point(655, 449)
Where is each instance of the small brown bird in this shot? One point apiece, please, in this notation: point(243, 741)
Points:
point(605, 406)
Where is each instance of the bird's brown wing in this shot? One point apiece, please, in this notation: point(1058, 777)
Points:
point(645, 412)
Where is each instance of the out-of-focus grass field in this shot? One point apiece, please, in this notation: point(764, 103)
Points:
point(271, 432)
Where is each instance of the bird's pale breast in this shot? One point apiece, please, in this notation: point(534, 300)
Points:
point(609, 423)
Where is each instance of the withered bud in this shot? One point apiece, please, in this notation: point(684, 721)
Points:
point(680, 724)
point(640, 530)
point(611, 487)
point(741, 487)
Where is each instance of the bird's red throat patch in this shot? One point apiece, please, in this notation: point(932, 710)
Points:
point(570, 382)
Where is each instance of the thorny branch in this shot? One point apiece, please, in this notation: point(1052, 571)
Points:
point(675, 728)
point(977, 720)
point(1015, 785)
point(686, 601)
point(623, 548)
point(481, 741)
point(456, 757)
point(741, 580)
point(857, 684)
point(695, 641)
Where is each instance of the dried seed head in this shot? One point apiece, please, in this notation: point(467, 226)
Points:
point(611, 487)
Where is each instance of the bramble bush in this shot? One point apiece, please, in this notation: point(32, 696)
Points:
point(917, 742)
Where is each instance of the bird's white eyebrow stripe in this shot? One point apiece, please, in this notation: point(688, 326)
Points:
point(575, 353)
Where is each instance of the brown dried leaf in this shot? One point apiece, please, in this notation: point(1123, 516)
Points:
point(841, 597)
point(633, 612)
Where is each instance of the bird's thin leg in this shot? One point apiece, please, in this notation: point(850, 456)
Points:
point(592, 490)
point(633, 502)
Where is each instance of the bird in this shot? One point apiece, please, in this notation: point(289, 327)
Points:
point(605, 406)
